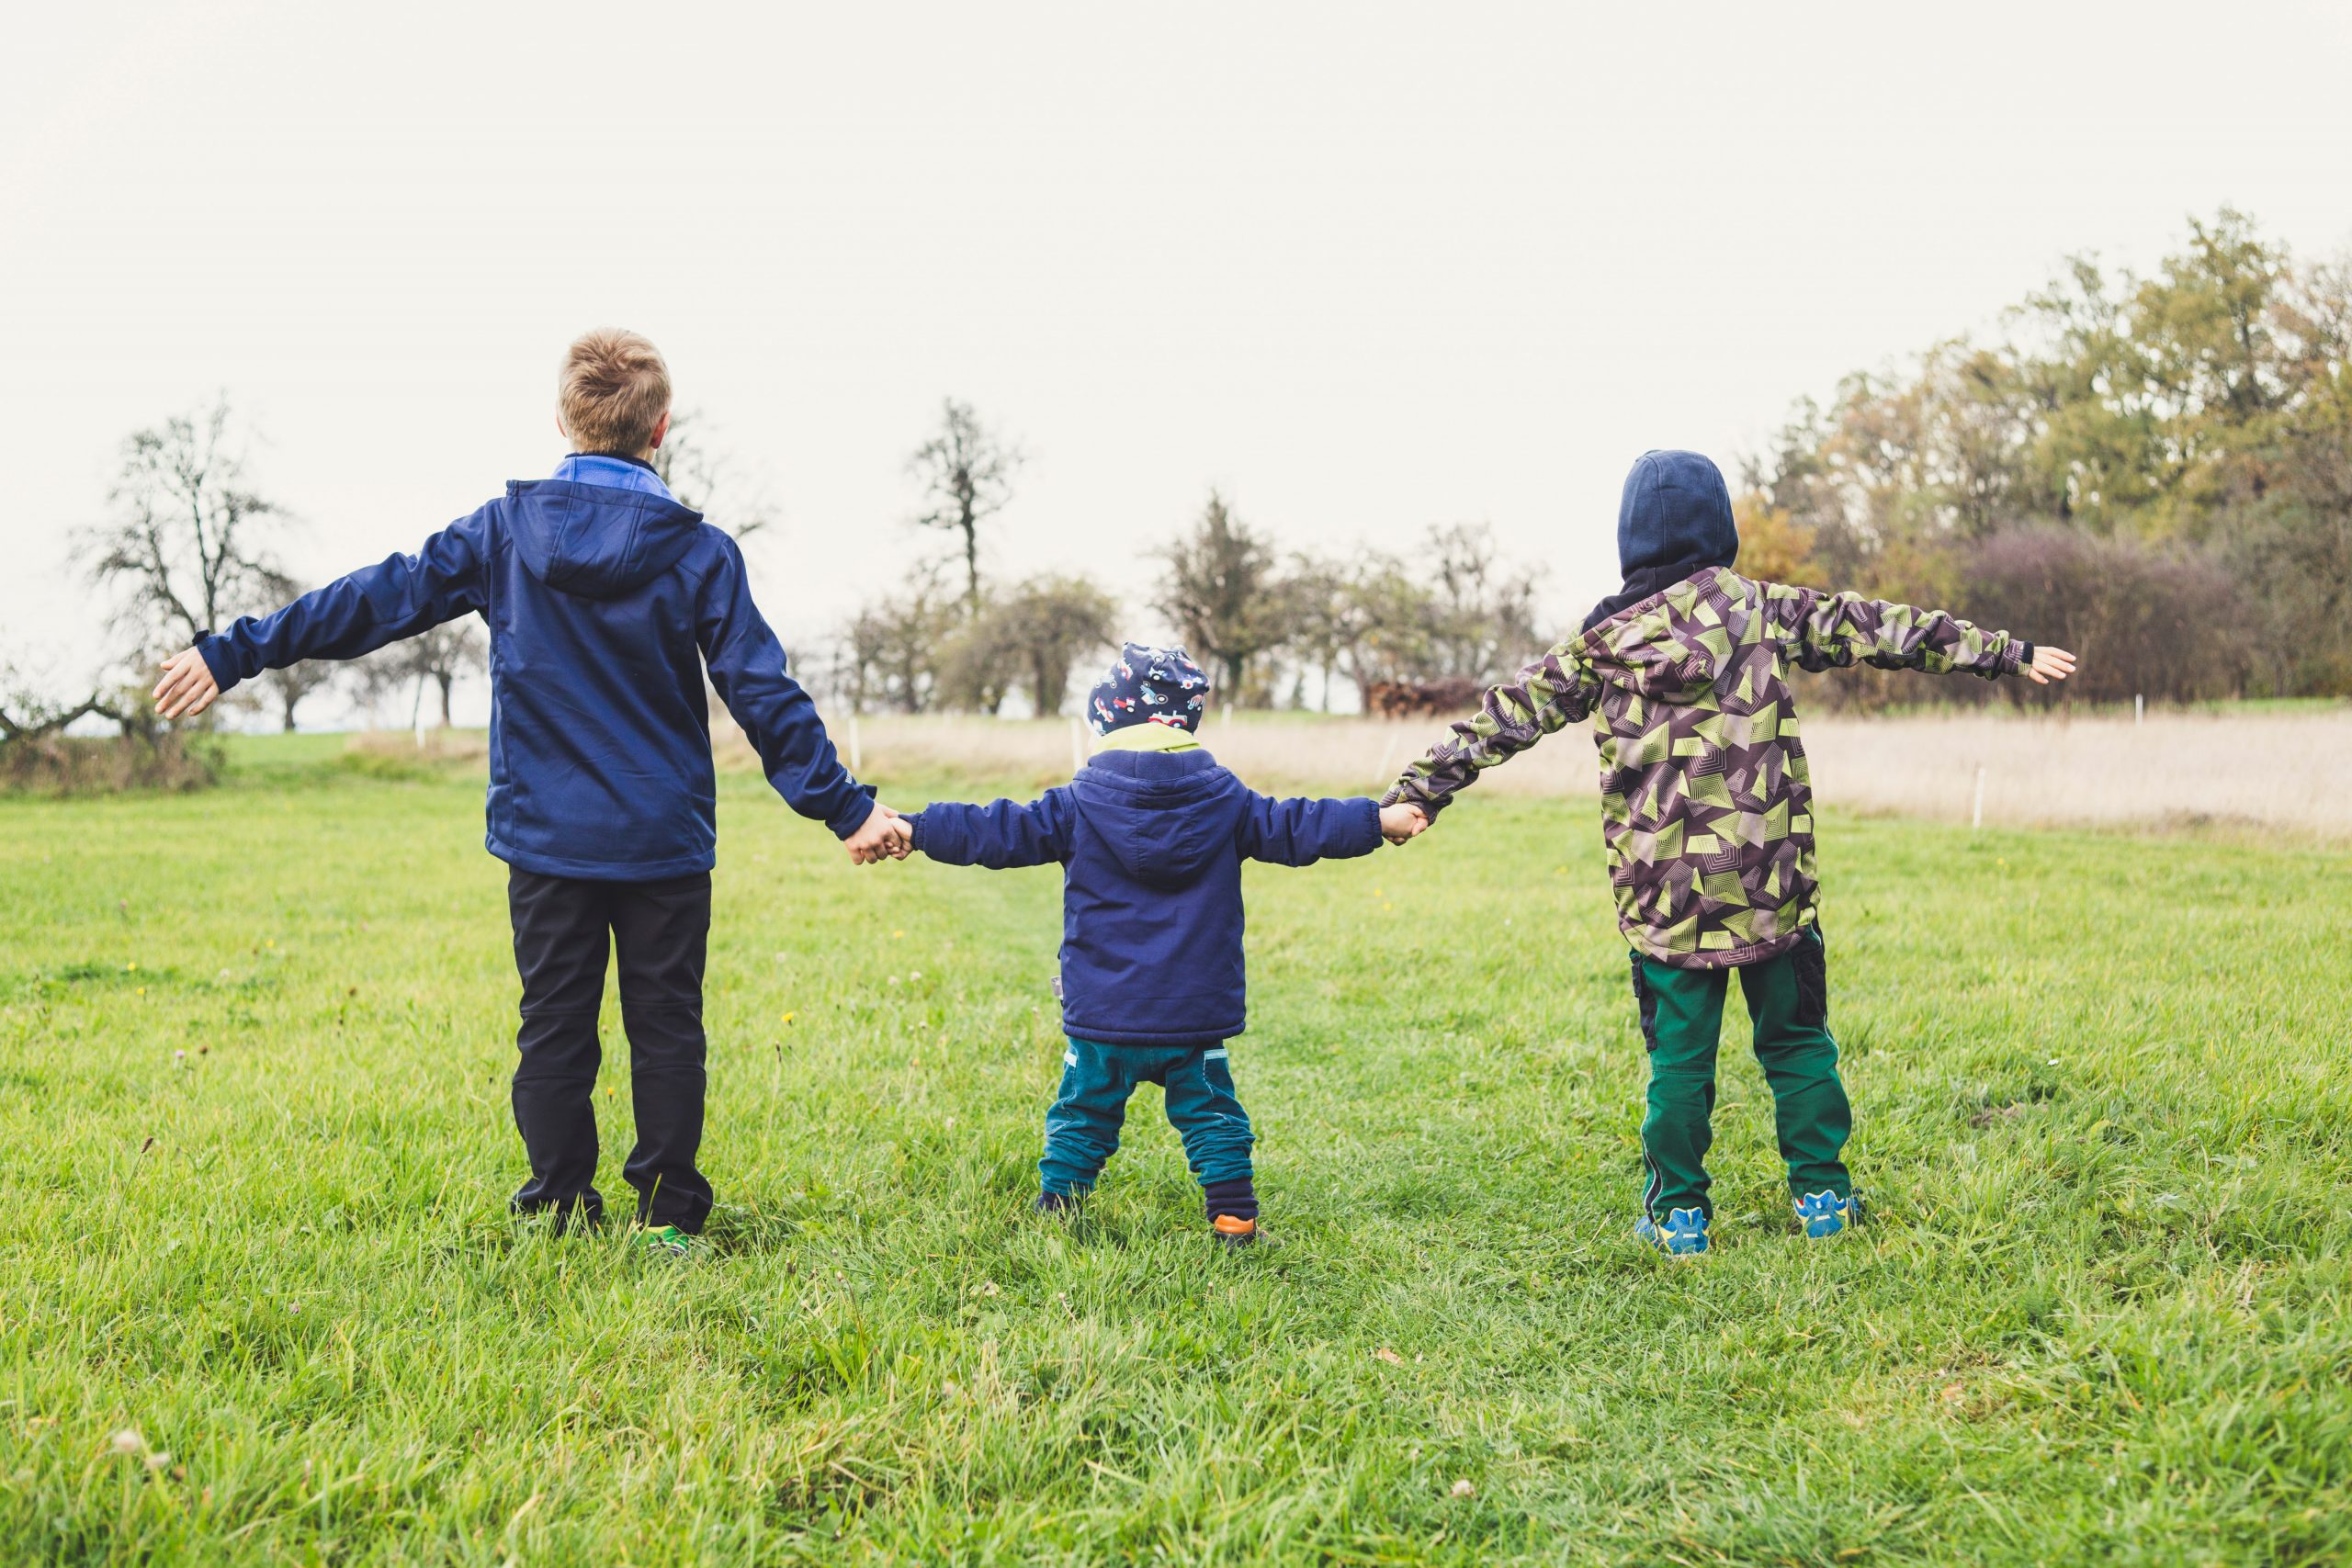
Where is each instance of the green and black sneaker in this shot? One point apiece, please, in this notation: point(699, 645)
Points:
point(667, 1241)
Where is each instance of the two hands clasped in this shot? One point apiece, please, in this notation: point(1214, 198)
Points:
point(886, 835)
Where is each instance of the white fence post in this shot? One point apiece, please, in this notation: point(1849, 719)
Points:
point(2139, 710)
point(1976, 816)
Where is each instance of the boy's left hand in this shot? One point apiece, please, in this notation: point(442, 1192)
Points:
point(1401, 822)
point(2049, 664)
point(187, 687)
point(885, 835)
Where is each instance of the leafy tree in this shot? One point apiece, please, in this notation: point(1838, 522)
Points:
point(1221, 592)
point(2199, 417)
point(1055, 621)
point(890, 655)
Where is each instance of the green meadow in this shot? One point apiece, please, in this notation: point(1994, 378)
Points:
point(260, 1299)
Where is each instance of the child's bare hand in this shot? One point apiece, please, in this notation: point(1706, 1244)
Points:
point(2049, 664)
point(187, 687)
point(1401, 822)
point(884, 836)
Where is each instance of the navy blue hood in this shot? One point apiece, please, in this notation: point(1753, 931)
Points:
point(597, 541)
point(1676, 514)
point(1151, 843)
point(1166, 819)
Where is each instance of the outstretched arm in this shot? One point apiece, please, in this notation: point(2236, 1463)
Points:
point(1300, 831)
point(395, 598)
point(1554, 692)
point(1824, 630)
point(1001, 834)
point(747, 668)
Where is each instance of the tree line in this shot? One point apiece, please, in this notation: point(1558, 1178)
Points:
point(1271, 627)
point(2155, 472)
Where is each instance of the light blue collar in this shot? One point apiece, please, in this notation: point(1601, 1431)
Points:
point(613, 473)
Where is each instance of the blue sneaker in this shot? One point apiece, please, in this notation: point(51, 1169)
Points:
point(1684, 1235)
point(1825, 1213)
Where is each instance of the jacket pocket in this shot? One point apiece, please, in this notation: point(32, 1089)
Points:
point(1812, 966)
point(1646, 1000)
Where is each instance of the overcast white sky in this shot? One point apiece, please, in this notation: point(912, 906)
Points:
point(1366, 268)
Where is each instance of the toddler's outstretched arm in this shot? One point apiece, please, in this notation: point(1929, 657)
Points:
point(1554, 692)
point(1300, 831)
point(1001, 834)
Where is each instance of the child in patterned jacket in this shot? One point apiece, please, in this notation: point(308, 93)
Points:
point(1152, 835)
point(1707, 815)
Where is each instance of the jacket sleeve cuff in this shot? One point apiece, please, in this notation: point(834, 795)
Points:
point(1370, 819)
point(214, 651)
point(852, 815)
point(2024, 651)
point(914, 826)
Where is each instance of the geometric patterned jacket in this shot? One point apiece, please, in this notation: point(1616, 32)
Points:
point(1706, 807)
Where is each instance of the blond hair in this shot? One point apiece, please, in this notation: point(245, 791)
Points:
point(612, 391)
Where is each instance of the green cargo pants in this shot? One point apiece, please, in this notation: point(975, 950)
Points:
point(1683, 1020)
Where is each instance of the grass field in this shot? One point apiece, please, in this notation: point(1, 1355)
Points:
point(2104, 1114)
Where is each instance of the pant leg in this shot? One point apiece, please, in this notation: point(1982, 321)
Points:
point(1682, 1020)
point(1082, 1128)
point(1207, 1115)
point(559, 951)
point(661, 931)
point(1789, 999)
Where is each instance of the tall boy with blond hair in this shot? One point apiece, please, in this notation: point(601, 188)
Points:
point(605, 602)
point(1706, 813)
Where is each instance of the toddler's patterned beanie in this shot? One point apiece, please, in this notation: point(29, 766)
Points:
point(1149, 685)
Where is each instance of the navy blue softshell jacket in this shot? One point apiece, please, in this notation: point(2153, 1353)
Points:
point(1151, 845)
point(603, 605)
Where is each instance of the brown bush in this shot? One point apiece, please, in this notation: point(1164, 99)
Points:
point(142, 759)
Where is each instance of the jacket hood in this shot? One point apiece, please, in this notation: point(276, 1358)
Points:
point(597, 541)
point(1676, 514)
point(1164, 815)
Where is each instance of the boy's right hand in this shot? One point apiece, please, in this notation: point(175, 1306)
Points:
point(1401, 822)
point(2049, 664)
point(885, 835)
point(187, 687)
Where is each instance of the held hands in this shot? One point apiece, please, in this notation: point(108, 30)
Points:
point(1400, 823)
point(2049, 664)
point(884, 836)
point(187, 687)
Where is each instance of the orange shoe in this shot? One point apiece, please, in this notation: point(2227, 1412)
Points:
point(1233, 1231)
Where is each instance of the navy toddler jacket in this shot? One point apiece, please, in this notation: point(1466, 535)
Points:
point(603, 604)
point(1151, 845)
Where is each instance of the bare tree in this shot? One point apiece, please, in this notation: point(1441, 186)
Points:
point(27, 713)
point(705, 478)
point(1482, 612)
point(967, 475)
point(186, 546)
point(437, 659)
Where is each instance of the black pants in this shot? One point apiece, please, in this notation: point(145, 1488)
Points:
point(660, 930)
